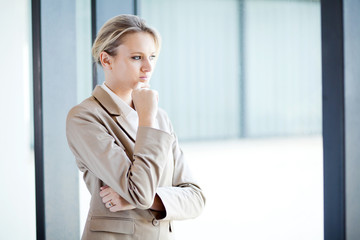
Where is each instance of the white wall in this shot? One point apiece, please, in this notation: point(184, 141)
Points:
point(17, 202)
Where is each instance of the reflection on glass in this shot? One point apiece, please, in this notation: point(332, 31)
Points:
point(17, 204)
point(247, 76)
point(199, 67)
point(282, 68)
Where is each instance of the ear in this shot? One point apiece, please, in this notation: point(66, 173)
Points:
point(106, 60)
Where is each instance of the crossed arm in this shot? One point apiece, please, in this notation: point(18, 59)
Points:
point(133, 183)
point(183, 200)
point(115, 203)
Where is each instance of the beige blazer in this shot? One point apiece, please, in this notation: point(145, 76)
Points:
point(137, 165)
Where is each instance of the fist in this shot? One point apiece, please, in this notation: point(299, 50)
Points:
point(146, 104)
point(113, 201)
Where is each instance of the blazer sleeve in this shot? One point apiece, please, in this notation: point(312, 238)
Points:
point(185, 198)
point(137, 179)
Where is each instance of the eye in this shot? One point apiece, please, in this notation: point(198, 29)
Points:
point(152, 57)
point(136, 57)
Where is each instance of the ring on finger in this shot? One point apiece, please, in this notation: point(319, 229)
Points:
point(111, 204)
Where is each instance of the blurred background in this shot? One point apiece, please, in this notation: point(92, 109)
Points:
point(240, 80)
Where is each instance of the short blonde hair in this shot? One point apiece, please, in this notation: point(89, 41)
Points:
point(112, 33)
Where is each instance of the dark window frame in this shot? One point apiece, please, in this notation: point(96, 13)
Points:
point(38, 119)
point(332, 31)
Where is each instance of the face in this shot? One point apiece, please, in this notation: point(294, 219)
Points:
point(133, 63)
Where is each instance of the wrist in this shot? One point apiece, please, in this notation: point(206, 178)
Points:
point(147, 122)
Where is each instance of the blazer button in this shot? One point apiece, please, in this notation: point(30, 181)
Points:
point(155, 222)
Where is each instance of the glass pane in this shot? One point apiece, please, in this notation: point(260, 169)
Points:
point(246, 77)
point(282, 61)
point(84, 85)
point(17, 173)
point(202, 56)
point(59, 94)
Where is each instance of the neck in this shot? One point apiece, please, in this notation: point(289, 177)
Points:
point(125, 95)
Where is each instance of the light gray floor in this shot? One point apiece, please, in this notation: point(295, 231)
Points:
point(257, 189)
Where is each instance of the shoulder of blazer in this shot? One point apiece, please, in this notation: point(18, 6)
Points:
point(106, 101)
point(100, 99)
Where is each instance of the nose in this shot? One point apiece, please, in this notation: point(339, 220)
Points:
point(146, 65)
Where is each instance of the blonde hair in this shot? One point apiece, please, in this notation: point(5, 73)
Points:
point(112, 33)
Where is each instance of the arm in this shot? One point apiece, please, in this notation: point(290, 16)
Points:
point(135, 179)
point(182, 201)
point(115, 203)
point(185, 199)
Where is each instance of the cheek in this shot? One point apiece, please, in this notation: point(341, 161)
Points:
point(128, 71)
point(132, 67)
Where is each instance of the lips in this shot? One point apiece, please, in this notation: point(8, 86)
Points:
point(144, 78)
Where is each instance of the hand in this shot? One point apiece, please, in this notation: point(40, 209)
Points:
point(113, 201)
point(146, 104)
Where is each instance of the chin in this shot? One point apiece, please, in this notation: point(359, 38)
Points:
point(138, 85)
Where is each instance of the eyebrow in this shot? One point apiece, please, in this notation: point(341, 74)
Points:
point(141, 53)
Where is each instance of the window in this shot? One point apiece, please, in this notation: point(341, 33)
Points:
point(241, 81)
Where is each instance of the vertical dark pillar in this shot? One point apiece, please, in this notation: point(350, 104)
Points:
point(93, 36)
point(333, 119)
point(341, 118)
point(38, 121)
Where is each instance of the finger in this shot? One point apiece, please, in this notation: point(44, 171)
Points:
point(140, 85)
point(115, 208)
point(157, 95)
point(109, 204)
point(105, 192)
point(104, 187)
point(118, 208)
point(107, 198)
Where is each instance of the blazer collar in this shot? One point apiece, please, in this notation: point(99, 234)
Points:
point(115, 109)
point(107, 101)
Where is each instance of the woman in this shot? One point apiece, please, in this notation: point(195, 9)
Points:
point(125, 145)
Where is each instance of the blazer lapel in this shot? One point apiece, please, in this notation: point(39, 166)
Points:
point(114, 109)
point(125, 124)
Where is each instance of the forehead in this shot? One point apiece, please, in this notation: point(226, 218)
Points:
point(138, 41)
